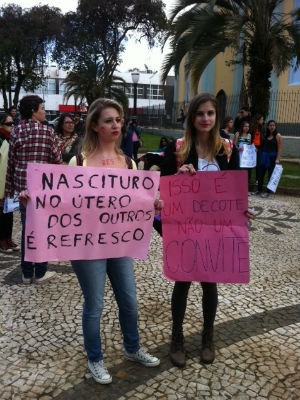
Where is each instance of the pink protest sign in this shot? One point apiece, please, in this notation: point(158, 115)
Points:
point(77, 213)
point(205, 231)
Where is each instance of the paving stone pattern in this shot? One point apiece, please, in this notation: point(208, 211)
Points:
point(257, 327)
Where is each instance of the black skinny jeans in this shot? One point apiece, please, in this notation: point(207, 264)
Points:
point(179, 301)
point(6, 225)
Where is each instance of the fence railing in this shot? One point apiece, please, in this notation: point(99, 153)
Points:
point(284, 108)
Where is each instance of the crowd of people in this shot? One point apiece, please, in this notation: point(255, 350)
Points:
point(267, 142)
point(205, 146)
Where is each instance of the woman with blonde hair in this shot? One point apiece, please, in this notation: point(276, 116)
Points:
point(201, 149)
point(101, 148)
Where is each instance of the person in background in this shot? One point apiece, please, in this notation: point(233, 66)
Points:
point(242, 138)
point(257, 131)
point(78, 124)
point(270, 155)
point(101, 148)
point(69, 141)
point(181, 117)
point(131, 139)
point(135, 131)
point(237, 122)
point(201, 149)
point(7, 244)
point(225, 134)
point(242, 116)
point(126, 141)
point(30, 141)
point(154, 158)
point(163, 143)
point(226, 128)
point(13, 112)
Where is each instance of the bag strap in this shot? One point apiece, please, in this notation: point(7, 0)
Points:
point(79, 159)
point(128, 162)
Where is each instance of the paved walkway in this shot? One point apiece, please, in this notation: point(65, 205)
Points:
point(257, 327)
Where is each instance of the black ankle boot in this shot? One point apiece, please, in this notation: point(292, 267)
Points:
point(177, 352)
point(207, 354)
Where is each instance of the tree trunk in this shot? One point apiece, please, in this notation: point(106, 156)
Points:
point(259, 82)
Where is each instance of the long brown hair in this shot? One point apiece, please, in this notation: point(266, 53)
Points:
point(215, 142)
point(90, 140)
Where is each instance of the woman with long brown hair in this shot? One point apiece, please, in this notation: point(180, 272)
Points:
point(201, 149)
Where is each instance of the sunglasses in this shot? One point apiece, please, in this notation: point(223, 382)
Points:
point(8, 123)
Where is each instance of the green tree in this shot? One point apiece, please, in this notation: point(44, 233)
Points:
point(85, 89)
point(263, 39)
point(26, 37)
point(92, 40)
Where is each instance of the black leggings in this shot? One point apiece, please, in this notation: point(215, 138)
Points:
point(179, 301)
point(180, 294)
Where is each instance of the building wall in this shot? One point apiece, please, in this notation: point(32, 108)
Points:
point(284, 106)
point(148, 86)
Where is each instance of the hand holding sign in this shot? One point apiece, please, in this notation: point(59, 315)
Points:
point(205, 231)
point(88, 213)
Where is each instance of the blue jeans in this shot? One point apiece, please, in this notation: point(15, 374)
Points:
point(91, 275)
point(29, 268)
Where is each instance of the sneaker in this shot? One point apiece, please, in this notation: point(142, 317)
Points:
point(99, 372)
point(48, 275)
point(265, 195)
point(257, 193)
point(12, 245)
point(4, 248)
point(142, 357)
point(27, 281)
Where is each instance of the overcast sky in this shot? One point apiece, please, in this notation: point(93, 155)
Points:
point(136, 54)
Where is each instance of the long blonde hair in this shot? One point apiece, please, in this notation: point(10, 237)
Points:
point(216, 144)
point(90, 140)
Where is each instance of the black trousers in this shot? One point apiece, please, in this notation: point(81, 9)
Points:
point(6, 225)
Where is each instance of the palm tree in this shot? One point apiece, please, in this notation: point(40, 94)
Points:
point(262, 37)
point(86, 84)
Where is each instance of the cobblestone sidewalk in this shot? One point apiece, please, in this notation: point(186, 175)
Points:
point(257, 327)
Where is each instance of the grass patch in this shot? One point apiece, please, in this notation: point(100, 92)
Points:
point(290, 175)
point(291, 170)
point(150, 142)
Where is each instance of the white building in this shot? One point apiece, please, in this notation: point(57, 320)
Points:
point(150, 92)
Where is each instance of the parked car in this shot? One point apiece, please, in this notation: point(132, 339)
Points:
point(53, 122)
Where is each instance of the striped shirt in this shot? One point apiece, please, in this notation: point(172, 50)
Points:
point(30, 141)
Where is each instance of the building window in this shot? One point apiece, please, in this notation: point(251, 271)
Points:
point(155, 92)
point(62, 87)
point(51, 86)
point(140, 91)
